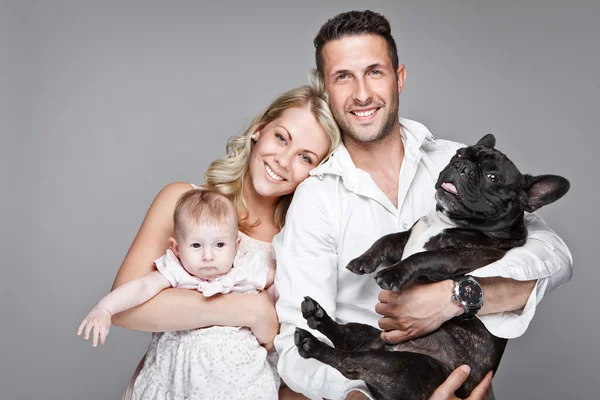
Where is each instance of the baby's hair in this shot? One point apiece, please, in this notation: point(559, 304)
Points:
point(203, 206)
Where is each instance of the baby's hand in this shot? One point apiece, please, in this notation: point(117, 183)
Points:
point(99, 320)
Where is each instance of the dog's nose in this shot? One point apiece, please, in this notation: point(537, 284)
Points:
point(463, 168)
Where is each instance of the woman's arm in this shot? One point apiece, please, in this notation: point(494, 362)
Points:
point(178, 309)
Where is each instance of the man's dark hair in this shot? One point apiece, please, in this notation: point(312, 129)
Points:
point(353, 23)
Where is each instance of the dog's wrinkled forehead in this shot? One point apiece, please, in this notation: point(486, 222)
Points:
point(491, 161)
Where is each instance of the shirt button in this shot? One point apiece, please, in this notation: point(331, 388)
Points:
point(404, 226)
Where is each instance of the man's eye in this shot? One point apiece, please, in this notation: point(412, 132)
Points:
point(376, 72)
point(220, 244)
point(280, 137)
point(341, 77)
point(196, 245)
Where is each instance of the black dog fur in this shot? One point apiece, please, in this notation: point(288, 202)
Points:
point(481, 198)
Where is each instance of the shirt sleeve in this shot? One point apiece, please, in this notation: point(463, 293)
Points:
point(307, 262)
point(544, 257)
point(170, 267)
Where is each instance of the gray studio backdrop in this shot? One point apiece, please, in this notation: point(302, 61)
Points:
point(105, 102)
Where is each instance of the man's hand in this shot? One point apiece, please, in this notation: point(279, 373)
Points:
point(416, 310)
point(356, 395)
point(457, 378)
point(97, 322)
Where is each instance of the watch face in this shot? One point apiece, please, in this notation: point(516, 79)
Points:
point(470, 293)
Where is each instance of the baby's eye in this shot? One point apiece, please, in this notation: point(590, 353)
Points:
point(281, 138)
point(220, 244)
point(196, 245)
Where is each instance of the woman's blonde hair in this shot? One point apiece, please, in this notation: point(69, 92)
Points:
point(227, 175)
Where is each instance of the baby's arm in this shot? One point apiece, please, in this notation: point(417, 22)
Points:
point(126, 296)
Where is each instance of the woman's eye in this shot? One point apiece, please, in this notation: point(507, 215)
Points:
point(196, 245)
point(220, 244)
point(493, 177)
point(305, 158)
point(341, 77)
point(280, 137)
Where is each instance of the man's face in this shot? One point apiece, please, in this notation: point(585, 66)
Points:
point(362, 85)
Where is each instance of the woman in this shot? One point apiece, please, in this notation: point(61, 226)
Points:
point(260, 172)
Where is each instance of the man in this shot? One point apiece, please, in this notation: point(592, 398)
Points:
point(381, 180)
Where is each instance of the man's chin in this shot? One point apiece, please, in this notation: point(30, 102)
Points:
point(365, 135)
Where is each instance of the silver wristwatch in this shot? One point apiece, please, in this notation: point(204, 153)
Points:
point(469, 295)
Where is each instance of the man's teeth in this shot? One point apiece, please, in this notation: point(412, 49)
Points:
point(272, 174)
point(364, 113)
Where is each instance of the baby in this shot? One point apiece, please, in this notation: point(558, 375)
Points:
point(215, 362)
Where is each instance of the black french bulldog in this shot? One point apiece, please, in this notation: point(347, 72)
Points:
point(481, 198)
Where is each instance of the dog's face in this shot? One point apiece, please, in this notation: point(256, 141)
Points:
point(482, 188)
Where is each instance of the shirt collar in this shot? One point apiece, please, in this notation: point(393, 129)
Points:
point(415, 137)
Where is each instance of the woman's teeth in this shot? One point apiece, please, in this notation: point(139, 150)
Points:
point(272, 174)
point(364, 113)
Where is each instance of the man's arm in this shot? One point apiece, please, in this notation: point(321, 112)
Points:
point(307, 265)
point(512, 287)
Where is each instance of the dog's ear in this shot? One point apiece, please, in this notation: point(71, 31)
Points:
point(488, 140)
point(544, 189)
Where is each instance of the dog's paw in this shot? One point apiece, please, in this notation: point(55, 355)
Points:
point(312, 312)
point(363, 265)
point(307, 344)
point(390, 279)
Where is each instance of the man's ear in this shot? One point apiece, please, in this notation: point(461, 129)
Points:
point(174, 246)
point(401, 77)
point(544, 189)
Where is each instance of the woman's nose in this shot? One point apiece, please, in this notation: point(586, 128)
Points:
point(284, 159)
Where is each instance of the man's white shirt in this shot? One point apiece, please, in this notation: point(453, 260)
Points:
point(339, 212)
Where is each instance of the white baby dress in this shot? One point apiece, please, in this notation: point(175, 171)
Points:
point(218, 362)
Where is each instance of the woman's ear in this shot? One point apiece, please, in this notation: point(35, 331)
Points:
point(174, 246)
point(255, 135)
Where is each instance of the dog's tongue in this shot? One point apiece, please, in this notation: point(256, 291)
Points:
point(449, 187)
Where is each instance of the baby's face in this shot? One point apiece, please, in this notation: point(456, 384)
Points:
point(208, 250)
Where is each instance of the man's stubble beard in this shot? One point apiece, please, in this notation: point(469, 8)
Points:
point(390, 118)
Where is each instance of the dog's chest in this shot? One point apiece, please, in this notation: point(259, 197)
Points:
point(427, 227)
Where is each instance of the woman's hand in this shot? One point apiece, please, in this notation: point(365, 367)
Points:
point(265, 325)
point(97, 322)
point(446, 390)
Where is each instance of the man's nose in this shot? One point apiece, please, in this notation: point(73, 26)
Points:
point(362, 92)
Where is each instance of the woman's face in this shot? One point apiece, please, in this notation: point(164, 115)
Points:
point(285, 151)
